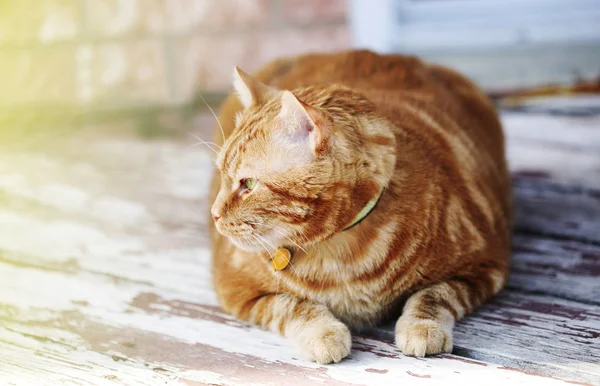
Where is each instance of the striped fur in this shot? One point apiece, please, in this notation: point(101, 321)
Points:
point(435, 247)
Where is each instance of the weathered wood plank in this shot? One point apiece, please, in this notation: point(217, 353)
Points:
point(556, 245)
point(558, 106)
point(561, 268)
point(108, 282)
point(533, 333)
point(104, 273)
point(149, 339)
point(559, 137)
point(566, 133)
point(555, 254)
point(561, 211)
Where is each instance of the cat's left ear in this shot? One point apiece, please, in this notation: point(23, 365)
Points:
point(250, 90)
point(305, 123)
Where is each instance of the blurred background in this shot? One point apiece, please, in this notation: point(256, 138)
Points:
point(74, 61)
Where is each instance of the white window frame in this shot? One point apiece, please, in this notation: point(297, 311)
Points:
point(498, 43)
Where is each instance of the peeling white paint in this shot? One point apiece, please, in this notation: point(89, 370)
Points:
point(60, 240)
point(204, 377)
point(99, 250)
point(116, 210)
point(60, 364)
point(63, 197)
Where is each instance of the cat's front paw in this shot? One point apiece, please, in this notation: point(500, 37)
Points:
point(325, 342)
point(420, 337)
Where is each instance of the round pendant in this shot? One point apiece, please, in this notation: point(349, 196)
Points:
point(281, 259)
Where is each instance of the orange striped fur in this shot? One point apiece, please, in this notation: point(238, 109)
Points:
point(350, 124)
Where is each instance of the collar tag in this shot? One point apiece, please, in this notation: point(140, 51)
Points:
point(281, 259)
point(283, 256)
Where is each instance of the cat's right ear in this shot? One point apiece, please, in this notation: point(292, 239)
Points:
point(304, 122)
point(250, 90)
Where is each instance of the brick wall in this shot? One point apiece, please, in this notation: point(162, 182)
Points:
point(140, 52)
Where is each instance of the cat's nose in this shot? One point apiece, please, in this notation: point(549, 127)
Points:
point(215, 215)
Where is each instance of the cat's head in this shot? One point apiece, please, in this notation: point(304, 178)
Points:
point(300, 165)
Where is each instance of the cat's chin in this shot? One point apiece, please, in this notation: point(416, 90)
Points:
point(248, 247)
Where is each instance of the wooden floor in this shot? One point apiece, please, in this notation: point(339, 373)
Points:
point(105, 270)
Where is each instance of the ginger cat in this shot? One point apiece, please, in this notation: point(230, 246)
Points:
point(385, 178)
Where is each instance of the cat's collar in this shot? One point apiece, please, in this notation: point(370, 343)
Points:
point(365, 211)
point(283, 255)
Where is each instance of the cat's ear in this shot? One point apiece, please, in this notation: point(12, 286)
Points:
point(305, 123)
point(249, 89)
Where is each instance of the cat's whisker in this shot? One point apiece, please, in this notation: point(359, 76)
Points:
point(200, 143)
point(281, 233)
point(289, 238)
point(267, 242)
point(263, 245)
point(297, 273)
point(278, 276)
point(214, 115)
point(301, 232)
point(290, 262)
point(203, 141)
point(239, 239)
point(210, 145)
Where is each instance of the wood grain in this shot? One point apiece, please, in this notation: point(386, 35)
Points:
point(565, 269)
point(548, 319)
point(559, 211)
point(533, 333)
point(104, 272)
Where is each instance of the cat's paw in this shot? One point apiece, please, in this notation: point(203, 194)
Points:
point(420, 337)
point(326, 342)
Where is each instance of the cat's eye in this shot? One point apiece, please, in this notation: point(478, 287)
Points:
point(249, 183)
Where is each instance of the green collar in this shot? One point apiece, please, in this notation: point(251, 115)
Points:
point(283, 255)
point(365, 211)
